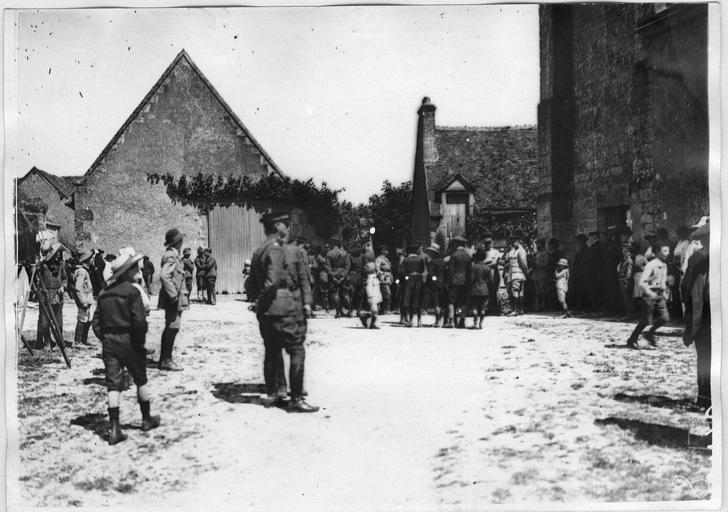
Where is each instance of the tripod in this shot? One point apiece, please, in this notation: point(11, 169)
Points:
point(38, 285)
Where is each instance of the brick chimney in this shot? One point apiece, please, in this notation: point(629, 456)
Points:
point(427, 127)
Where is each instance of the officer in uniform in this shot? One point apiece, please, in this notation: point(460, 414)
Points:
point(384, 274)
point(337, 266)
point(459, 271)
point(210, 276)
point(53, 273)
point(279, 283)
point(200, 266)
point(189, 267)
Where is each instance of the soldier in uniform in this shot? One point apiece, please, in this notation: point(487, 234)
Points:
point(283, 302)
point(210, 276)
point(53, 272)
point(189, 267)
point(323, 278)
point(173, 296)
point(83, 295)
point(516, 271)
point(200, 267)
point(435, 291)
point(384, 274)
point(459, 269)
point(412, 272)
point(337, 266)
point(355, 281)
point(120, 323)
point(492, 256)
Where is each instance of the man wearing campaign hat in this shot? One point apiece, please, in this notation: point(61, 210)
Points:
point(280, 288)
point(173, 296)
point(695, 289)
point(84, 296)
point(120, 323)
point(53, 274)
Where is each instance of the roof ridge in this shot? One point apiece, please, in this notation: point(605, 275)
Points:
point(145, 100)
point(486, 128)
point(57, 182)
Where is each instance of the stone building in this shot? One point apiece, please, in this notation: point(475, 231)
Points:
point(623, 117)
point(181, 127)
point(57, 193)
point(461, 170)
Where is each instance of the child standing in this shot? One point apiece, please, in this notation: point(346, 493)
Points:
point(374, 295)
point(479, 288)
point(120, 323)
point(561, 276)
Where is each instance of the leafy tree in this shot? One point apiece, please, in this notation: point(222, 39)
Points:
point(320, 204)
point(391, 212)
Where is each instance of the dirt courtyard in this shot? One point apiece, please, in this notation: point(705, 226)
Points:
point(530, 409)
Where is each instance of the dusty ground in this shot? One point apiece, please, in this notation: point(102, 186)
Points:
point(531, 409)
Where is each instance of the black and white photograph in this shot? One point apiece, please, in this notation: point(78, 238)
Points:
point(437, 257)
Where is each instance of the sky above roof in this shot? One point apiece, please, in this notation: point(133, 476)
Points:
point(329, 92)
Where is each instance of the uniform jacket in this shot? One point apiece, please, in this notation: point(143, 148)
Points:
point(436, 272)
point(210, 266)
point(84, 291)
point(479, 279)
point(696, 291)
point(460, 266)
point(279, 277)
point(337, 263)
point(174, 290)
point(120, 311)
point(189, 267)
point(200, 266)
point(54, 277)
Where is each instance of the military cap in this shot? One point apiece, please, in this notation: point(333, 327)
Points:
point(459, 239)
point(433, 248)
point(276, 216)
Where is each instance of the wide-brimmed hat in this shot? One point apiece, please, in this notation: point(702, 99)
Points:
point(702, 222)
point(701, 233)
point(52, 251)
point(51, 223)
point(433, 248)
point(563, 262)
point(123, 262)
point(84, 255)
point(173, 236)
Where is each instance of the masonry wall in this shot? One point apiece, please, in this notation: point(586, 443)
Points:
point(35, 186)
point(183, 130)
point(622, 118)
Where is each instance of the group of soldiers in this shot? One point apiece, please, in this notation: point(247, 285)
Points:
point(203, 271)
point(455, 283)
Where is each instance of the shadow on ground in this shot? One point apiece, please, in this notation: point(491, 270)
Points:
point(98, 423)
point(662, 401)
point(653, 433)
point(239, 392)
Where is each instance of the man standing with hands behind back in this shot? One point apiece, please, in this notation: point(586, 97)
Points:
point(282, 292)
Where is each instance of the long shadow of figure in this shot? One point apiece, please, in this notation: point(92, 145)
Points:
point(665, 402)
point(99, 424)
point(240, 392)
point(655, 434)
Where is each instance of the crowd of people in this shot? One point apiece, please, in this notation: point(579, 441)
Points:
point(288, 280)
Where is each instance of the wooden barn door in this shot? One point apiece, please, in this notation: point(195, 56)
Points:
point(456, 210)
point(234, 233)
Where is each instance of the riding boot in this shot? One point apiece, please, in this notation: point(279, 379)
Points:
point(84, 336)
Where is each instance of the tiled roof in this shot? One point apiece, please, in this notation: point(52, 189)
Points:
point(501, 162)
point(64, 184)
